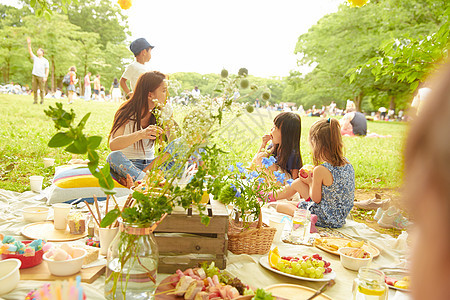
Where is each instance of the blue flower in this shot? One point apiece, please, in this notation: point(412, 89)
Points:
point(254, 174)
point(231, 168)
point(241, 169)
point(279, 176)
point(267, 162)
point(289, 181)
point(239, 164)
point(261, 180)
point(238, 194)
point(233, 187)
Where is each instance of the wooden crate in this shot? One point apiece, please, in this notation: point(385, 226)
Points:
point(183, 241)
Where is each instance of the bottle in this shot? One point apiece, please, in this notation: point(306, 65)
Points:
point(370, 285)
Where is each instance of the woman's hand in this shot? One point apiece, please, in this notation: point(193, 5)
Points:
point(151, 132)
point(265, 139)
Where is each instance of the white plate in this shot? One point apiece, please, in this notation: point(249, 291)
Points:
point(397, 274)
point(264, 261)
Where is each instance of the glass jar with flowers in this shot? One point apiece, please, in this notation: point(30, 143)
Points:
point(185, 166)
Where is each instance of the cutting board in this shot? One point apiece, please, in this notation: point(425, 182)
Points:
point(41, 273)
point(46, 231)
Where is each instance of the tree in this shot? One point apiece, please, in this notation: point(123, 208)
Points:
point(349, 38)
point(101, 17)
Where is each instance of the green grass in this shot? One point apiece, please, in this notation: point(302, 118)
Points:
point(25, 131)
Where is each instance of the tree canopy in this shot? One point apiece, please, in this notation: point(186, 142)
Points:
point(352, 37)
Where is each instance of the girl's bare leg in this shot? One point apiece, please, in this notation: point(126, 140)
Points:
point(297, 186)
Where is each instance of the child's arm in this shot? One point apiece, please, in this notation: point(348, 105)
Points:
point(315, 182)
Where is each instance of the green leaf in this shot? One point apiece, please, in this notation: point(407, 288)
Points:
point(39, 12)
point(94, 141)
point(205, 220)
point(108, 191)
point(73, 149)
point(47, 16)
point(60, 139)
point(33, 3)
point(110, 217)
point(84, 120)
point(93, 156)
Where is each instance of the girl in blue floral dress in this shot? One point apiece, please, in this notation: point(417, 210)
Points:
point(331, 186)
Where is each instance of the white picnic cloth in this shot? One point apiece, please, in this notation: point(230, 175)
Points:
point(246, 267)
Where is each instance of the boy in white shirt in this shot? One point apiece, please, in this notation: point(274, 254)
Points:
point(142, 51)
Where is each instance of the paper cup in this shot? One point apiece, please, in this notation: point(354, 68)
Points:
point(106, 237)
point(36, 183)
point(48, 162)
point(279, 226)
point(60, 212)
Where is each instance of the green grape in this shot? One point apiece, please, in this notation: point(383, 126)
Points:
point(304, 265)
point(320, 276)
point(301, 272)
point(307, 271)
point(321, 263)
point(280, 265)
point(296, 267)
point(309, 264)
point(318, 272)
point(288, 270)
point(322, 269)
point(312, 270)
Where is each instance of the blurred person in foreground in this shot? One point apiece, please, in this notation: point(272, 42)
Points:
point(427, 192)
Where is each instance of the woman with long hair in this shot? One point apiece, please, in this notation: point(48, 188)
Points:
point(134, 129)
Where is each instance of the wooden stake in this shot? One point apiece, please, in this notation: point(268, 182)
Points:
point(92, 213)
point(98, 210)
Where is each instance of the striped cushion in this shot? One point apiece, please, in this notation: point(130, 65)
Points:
point(76, 181)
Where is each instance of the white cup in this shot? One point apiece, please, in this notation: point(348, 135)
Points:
point(60, 212)
point(279, 226)
point(36, 183)
point(48, 162)
point(106, 237)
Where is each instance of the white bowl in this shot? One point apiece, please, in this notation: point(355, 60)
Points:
point(353, 263)
point(66, 267)
point(9, 275)
point(35, 213)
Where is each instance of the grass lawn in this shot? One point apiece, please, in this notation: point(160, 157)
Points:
point(25, 131)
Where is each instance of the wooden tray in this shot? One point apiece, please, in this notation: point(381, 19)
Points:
point(342, 242)
point(46, 231)
point(41, 273)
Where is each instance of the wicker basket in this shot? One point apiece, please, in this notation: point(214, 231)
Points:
point(257, 239)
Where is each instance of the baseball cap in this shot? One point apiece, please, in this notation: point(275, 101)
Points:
point(138, 45)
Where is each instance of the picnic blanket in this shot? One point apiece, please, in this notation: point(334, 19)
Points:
point(246, 267)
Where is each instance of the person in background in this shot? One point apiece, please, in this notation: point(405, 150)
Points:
point(102, 93)
point(73, 81)
point(87, 87)
point(353, 122)
point(195, 92)
point(142, 52)
point(427, 192)
point(96, 87)
point(39, 73)
point(115, 91)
